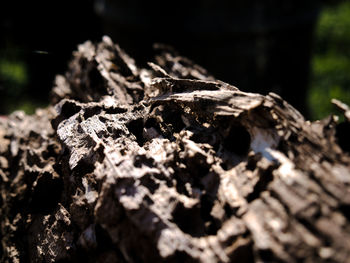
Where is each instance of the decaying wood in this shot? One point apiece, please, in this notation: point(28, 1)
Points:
point(166, 163)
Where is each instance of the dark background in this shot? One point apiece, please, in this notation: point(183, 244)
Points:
point(259, 50)
point(37, 40)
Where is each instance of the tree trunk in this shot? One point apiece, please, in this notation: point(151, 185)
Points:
point(166, 163)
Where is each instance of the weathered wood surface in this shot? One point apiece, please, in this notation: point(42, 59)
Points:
point(168, 164)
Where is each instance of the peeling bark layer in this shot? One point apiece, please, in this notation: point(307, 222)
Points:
point(169, 164)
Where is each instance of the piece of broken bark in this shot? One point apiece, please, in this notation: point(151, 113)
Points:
point(168, 164)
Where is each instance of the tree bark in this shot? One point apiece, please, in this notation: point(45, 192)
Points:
point(166, 163)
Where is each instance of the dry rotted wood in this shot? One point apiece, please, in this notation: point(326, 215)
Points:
point(169, 164)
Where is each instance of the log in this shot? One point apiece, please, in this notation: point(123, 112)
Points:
point(167, 163)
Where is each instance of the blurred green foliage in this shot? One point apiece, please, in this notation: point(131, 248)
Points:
point(13, 72)
point(331, 61)
point(14, 82)
point(13, 77)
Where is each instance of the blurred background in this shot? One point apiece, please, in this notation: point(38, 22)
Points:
point(299, 50)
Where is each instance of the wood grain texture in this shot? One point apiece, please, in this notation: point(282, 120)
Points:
point(166, 163)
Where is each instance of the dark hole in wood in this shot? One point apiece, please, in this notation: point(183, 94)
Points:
point(149, 181)
point(238, 140)
point(115, 133)
point(264, 180)
point(136, 128)
point(103, 238)
point(342, 134)
point(345, 209)
point(224, 166)
point(151, 122)
point(143, 160)
point(243, 254)
point(51, 151)
point(83, 167)
point(115, 110)
point(173, 118)
point(46, 194)
point(180, 256)
point(189, 220)
point(229, 211)
point(69, 109)
point(212, 225)
point(95, 80)
point(267, 256)
point(89, 112)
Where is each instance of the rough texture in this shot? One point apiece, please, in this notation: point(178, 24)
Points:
point(169, 164)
